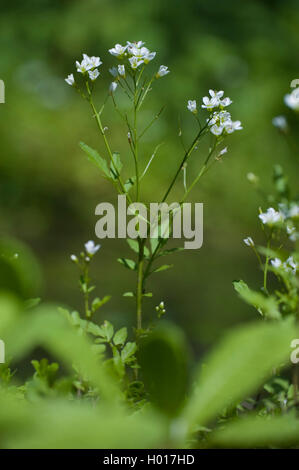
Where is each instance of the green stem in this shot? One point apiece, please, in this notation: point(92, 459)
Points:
point(139, 291)
point(267, 264)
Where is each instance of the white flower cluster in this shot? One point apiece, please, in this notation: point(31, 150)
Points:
point(289, 265)
point(90, 248)
point(271, 217)
point(137, 55)
point(291, 214)
point(292, 99)
point(220, 122)
point(88, 66)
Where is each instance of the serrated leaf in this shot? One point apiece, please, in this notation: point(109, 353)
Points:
point(96, 159)
point(120, 336)
point(128, 351)
point(128, 263)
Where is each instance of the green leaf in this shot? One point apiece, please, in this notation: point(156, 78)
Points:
point(96, 159)
point(120, 336)
point(129, 183)
point(134, 245)
point(97, 303)
point(128, 263)
point(116, 166)
point(108, 329)
point(163, 358)
point(164, 267)
point(254, 431)
point(241, 363)
point(128, 351)
point(266, 306)
point(129, 294)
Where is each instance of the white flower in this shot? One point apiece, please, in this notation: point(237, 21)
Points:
point(210, 103)
point(294, 211)
point(271, 217)
point(220, 118)
point(216, 94)
point(148, 56)
point(290, 265)
point(91, 248)
point(113, 71)
point(74, 258)
point(163, 70)
point(93, 74)
point(225, 102)
point(192, 106)
point(135, 44)
point(135, 62)
point(70, 79)
point(118, 51)
point(280, 122)
point(88, 63)
point(252, 178)
point(121, 70)
point(276, 263)
point(248, 241)
point(112, 87)
point(222, 152)
point(217, 130)
point(232, 126)
point(292, 99)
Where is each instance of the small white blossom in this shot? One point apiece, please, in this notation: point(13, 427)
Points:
point(88, 63)
point(280, 122)
point(163, 70)
point(222, 152)
point(252, 178)
point(74, 258)
point(292, 99)
point(291, 265)
point(112, 87)
point(148, 56)
point(137, 44)
point(294, 211)
point(225, 102)
point(70, 80)
point(93, 74)
point(113, 71)
point(135, 62)
point(210, 103)
point(121, 70)
point(91, 248)
point(232, 126)
point(118, 51)
point(192, 106)
point(271, 217)
point(217, 130)
point(248, 241)
point(276, 263)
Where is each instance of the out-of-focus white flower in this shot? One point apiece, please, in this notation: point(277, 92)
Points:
point(148, 56)
point(91, 248)
point(112, 87)
point(215, 101)
point(135, 62)
point(209, 103)
point(118, 50)
point(70, 80)
point(252, 178)
point(271, 217)
point(280, 122)
point(121, 70)
point(192, 106)
point(113, 71)
point(137, 44)
point(276, 262)
point(222, 152)
point(294, 211)
point(291, 265)
point(93, 74)
point(217, 130)
point(225, 102)
point(248, 241)
point(74, 258)
point(292, 99)
point(163, 70)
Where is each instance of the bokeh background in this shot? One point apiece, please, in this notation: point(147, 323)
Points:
point(48, 190)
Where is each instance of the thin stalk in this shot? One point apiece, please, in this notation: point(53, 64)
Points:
point(139, 291)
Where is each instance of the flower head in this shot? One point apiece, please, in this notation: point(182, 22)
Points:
point(112, 87)
point(271, 217)
point(93, 74)
point(74, 258)
point(292, 99)
point(135, 62)
point(192, 106)
point(114, 71)
point(88, 63)
point(91, 248)
point(118, 51)
point(70, 80)
point(163, 70)
point(280, 122)
point(248, 241)
point(121, 70)
point(276, 263)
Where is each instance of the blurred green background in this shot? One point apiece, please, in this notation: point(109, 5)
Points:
point(48, 190)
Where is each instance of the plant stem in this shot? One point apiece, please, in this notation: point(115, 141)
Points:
point(267, 264)
point(139, 291)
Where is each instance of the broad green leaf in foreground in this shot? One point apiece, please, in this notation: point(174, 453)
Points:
point(255, 431)
point(243, 360)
